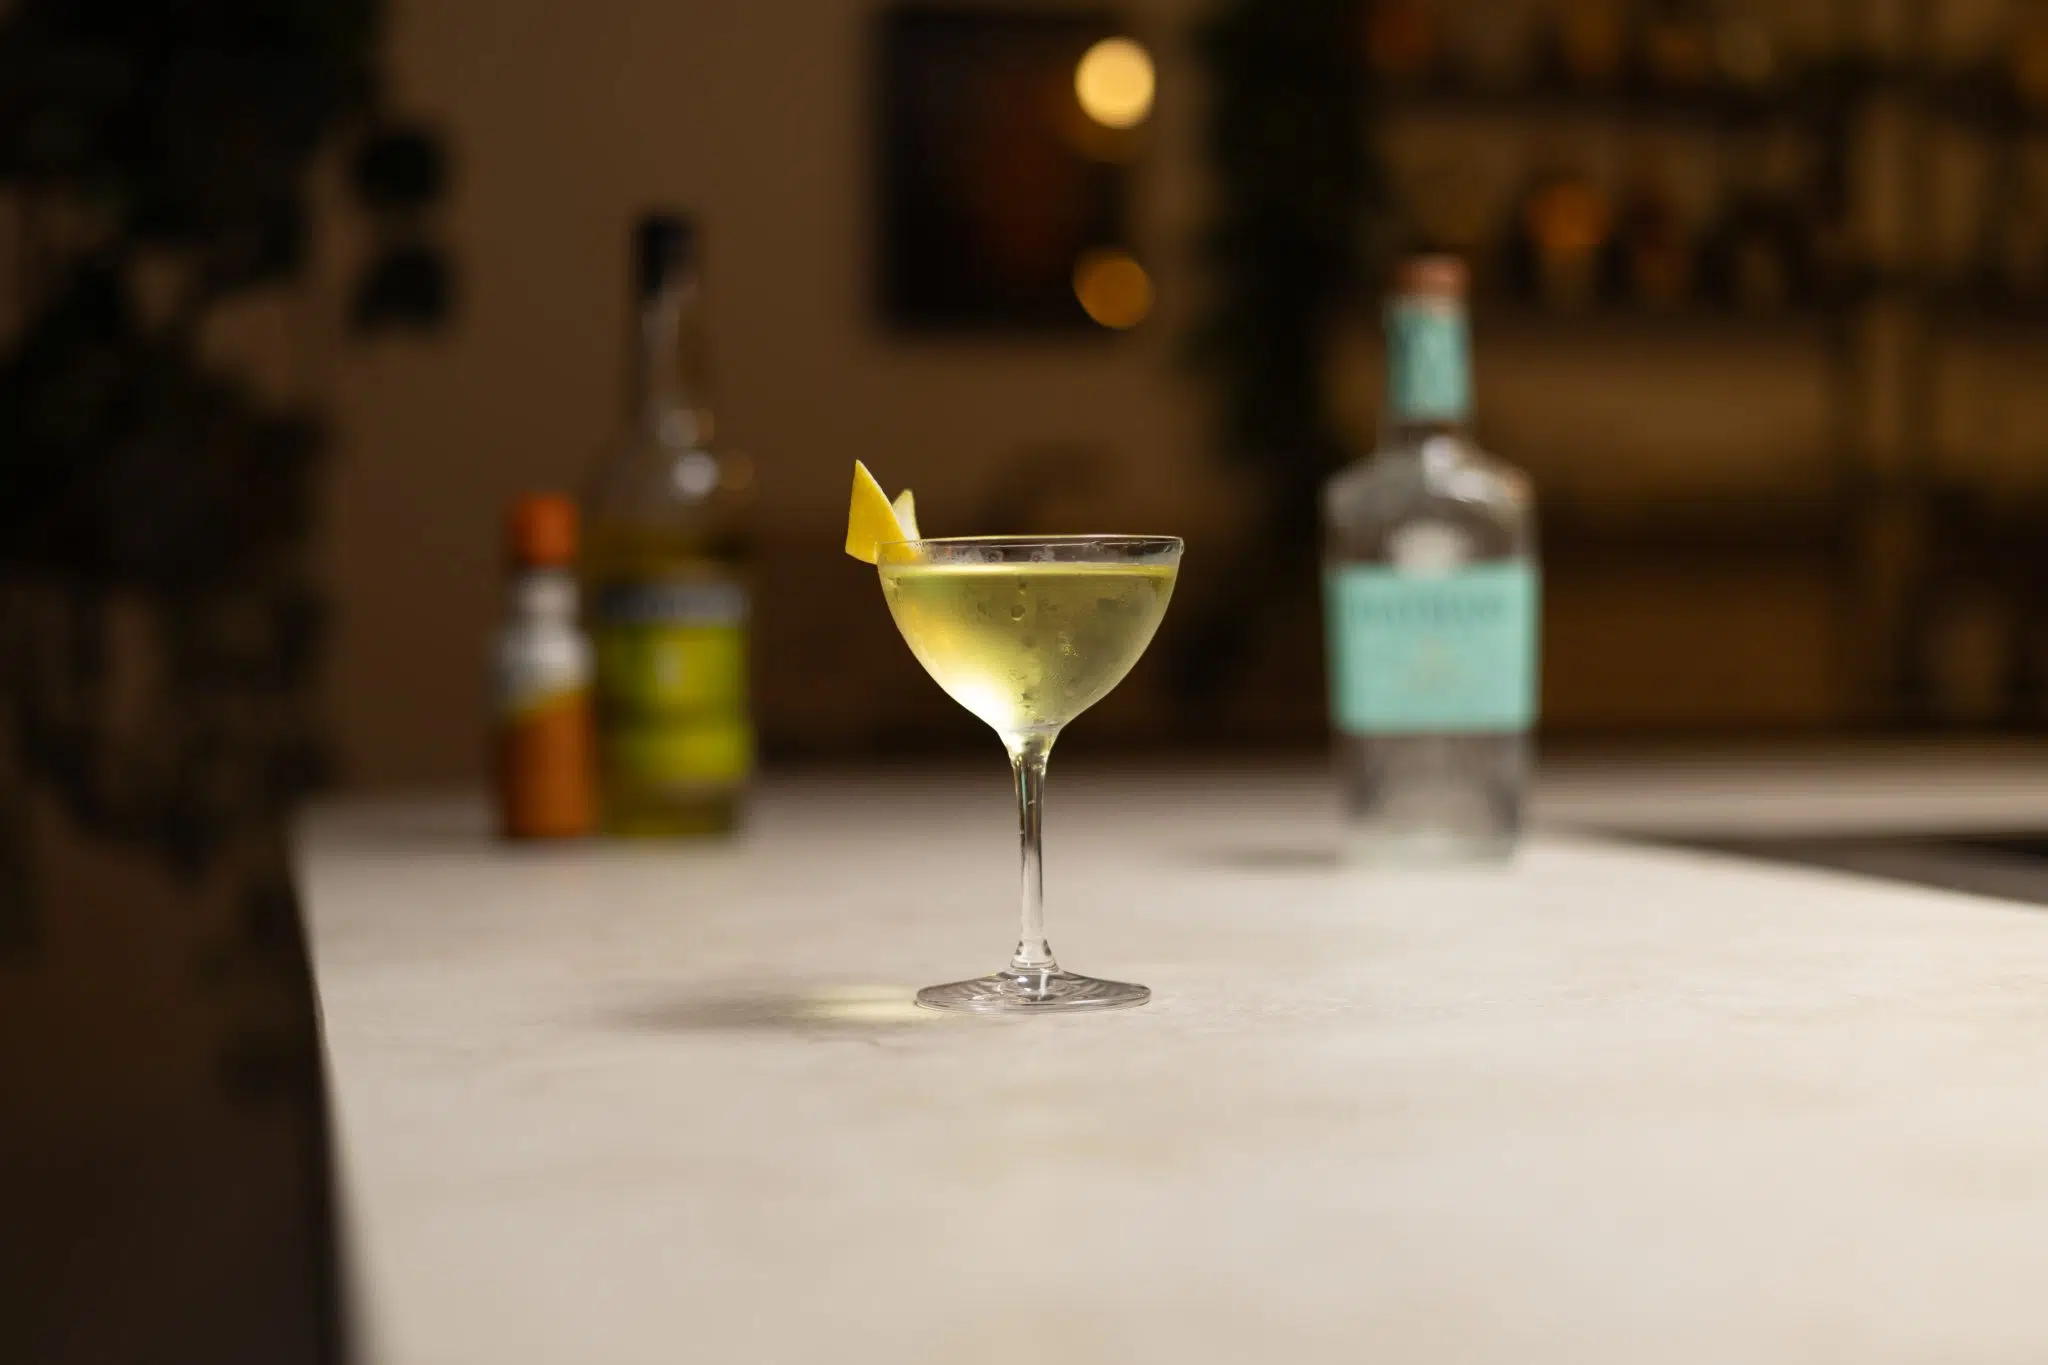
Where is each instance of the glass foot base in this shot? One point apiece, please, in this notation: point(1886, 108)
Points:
point(1033, 993)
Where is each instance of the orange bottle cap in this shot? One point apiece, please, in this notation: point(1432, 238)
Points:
point(541, 531)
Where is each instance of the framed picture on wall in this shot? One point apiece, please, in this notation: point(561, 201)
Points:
point(1005, 141)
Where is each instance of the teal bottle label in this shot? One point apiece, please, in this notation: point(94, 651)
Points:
point(1432, 653)
point(1427, 377)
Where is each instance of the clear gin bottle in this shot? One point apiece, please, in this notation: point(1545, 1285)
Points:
point(1431, 595)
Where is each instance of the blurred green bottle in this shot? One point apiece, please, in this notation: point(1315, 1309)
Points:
point(665, 571)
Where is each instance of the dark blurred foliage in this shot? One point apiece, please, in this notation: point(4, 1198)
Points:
point(159, 626)
point(1296, 192)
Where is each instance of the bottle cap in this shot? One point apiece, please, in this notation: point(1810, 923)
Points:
point(663, 242)
point(1435, 277)
point(540, 532)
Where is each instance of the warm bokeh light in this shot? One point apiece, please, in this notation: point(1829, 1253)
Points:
point(1113, 288)
point(1114, 83)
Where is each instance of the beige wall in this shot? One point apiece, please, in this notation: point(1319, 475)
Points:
point(564, 121)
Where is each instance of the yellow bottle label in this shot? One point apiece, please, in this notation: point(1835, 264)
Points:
point(672, 683)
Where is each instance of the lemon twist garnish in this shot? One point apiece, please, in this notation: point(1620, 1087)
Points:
point(872, 520)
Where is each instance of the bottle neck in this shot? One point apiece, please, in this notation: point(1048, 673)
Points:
point(1412, 437)
point(542, 594)
point(671, 389)
point(1429, 377)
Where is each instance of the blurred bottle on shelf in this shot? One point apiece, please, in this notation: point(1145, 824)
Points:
point(1557, 240)
point(2011, 267)
point(666, 571)
point(1400, 41)
point(2025, 45)
point(545, 767)
point(1589, 43)
point(1748, 53)
point(1837, 258)
point(1649, 258)
point(1493, 44)
point(1758, 256)
point(1674, 45)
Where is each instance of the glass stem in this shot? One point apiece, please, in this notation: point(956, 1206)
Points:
point(1027, 760)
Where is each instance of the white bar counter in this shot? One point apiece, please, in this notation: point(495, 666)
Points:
point(1619, 1106)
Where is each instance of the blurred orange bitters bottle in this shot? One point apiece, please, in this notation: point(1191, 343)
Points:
point(546, 759)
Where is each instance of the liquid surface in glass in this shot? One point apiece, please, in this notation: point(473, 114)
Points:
point(1027, 646)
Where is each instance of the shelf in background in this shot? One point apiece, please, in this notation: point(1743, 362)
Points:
point(1685, 531)
point(1979, 312)
point(1815, 98)
point(1975, 97)
point(1954, 307)
point(1982, 97)
point(1506, 320)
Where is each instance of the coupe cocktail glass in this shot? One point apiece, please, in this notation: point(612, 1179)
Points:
point(1027, 633)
